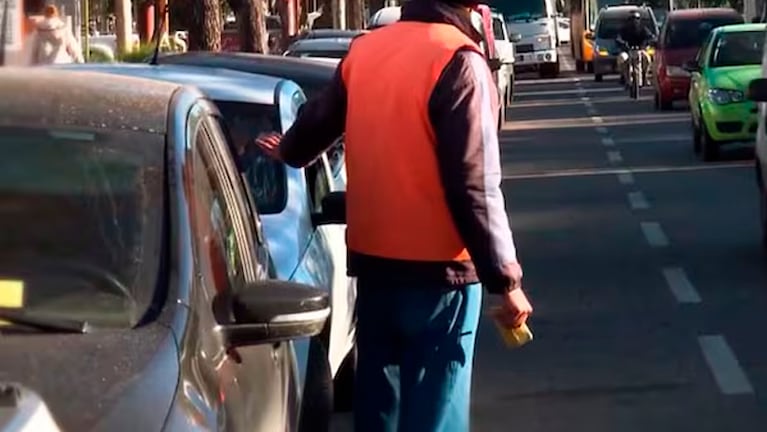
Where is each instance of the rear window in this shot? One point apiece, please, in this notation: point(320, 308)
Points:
point(610, 28)
point(81, 214)
point(738, 49)
point(692, 33)
point(266, 177)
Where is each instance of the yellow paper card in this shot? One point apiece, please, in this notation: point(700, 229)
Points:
point(11, 295)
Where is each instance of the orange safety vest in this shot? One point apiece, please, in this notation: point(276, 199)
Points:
point(396, 206)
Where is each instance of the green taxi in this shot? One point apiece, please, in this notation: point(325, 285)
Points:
point(729, 59)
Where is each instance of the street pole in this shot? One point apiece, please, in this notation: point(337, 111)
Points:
point(123, 26)
point(86, 24)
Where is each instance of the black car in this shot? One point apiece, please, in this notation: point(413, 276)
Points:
point(135, 290)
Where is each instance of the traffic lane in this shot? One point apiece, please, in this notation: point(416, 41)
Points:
point(711, 218)
point(611, 352)
point(552, 91)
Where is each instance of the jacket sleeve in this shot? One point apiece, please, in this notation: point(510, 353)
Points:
point(463, 109)
point(320, 121)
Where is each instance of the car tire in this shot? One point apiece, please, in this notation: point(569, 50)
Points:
point(510, 90)
point(695, 138)
point(762, 203)
point(579, 66)
point(589, 67)
point(343, 385)
point(502, 115)
point(598, 77)
point(317, 402)
point(709, 148)
point(662, 104)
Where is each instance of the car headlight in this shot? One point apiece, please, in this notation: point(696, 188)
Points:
point(724, 96)
point(544, 41)
point(676, 71)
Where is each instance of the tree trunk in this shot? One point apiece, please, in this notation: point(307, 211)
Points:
point(203, 22)
point(251, 23)
point(354, 19)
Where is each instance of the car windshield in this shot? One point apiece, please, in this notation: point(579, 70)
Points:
point(610, 28)
point(519, 10)
point(498, 30)
point(81, 214)
point(324, 54)
point(266, 177)
point(738, 49)
point(692, 33)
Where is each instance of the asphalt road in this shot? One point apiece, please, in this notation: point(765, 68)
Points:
point(644, 267)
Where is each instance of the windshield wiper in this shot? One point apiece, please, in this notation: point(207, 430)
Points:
point(19, 317)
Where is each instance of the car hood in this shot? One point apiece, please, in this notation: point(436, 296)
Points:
point(734, 77)
point(678, 57)
point(113, 380)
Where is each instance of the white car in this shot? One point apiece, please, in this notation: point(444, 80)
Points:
point(504, 46)
point(303, 249)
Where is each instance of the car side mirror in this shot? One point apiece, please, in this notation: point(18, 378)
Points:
point(691, 66)
point(757, 90)
point(515, 37)
point(333, 209)
point(272, 311)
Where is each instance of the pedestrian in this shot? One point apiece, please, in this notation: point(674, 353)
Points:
point(426, 219)
point(52, 42)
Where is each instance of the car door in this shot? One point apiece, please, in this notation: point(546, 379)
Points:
point(697, 82)
point(251, 383)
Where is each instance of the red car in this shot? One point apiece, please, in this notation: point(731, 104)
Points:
point(680, 39)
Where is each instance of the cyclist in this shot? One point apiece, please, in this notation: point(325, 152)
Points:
point(634, 34)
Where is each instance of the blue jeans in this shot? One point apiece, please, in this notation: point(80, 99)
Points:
point(415, 353)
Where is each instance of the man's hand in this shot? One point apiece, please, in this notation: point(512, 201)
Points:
point(270, 143)
point(516, 308)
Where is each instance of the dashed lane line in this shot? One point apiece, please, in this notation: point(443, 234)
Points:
point(608, 142)
point(637, 201)
point(614, 157)
point(596, 119)
point(654, 234)
point(601, 129)
point(570, 92)
point(626, 178)
point(728, 373)
point(636, 170)
point(680, 285)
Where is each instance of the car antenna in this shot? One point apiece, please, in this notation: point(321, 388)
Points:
point(158, 31)
point(4, 32)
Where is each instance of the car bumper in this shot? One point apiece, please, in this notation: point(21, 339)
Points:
point(535, 58)
point(731, 123)
point(605, 65)
point(676, 88)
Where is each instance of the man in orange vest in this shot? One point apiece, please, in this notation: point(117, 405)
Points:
point(426, 219)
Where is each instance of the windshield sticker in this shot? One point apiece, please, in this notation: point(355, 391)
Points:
point(11, 295)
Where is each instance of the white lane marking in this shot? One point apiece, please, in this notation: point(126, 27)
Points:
point(610, 171)
point(680, 285)
point(608, 142)
point(728, 373)
point(655, 138)
point(654, 234)
point(638, 201)
point(614, 157)
point(626, 177)
point(601, 129)
point(596, 119)
point(585, 99)
point(572, 91)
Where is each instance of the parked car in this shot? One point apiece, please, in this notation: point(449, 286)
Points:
point(730, 58)
point(330, 34)
point(312, 76)
point(287, 198)
point(333, 48)
point(384, 17)
point(504, 46)
point(609, 23)
point(146, 302)
point(680, 39)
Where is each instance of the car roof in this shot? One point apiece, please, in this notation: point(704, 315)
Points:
point(64, 98)
point(736, 28)
point(216, 83)
point(331, 33)
point(698, 13)
point(324, 44)
point(622, 10)
point(386, 16)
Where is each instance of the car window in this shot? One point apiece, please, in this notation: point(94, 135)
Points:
point(692, 33)
point(318, 183)
point(737, 49)
point(609, 28)
point(266, 177)
point(336, 156)
point(216, 219)
point(498, 30)
point(82, 221)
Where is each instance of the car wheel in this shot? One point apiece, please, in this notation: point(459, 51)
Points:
point(762, 204)
point(708, 147)
point(317, 402)
point(343, 385)
point(589, 67)
point(502, 116)
point(510, 91)
point(663, 104)
point(695, 138)
point(598, 77)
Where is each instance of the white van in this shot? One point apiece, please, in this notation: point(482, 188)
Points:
point(536, 22)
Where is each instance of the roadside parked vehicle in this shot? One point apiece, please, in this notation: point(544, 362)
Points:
point(730, 58)
point(145, 302)
point(333, 48)
point(680, 39)
point(303, 249)
point(504, 46)
point(384, 17)
point(610, 21)
point(312, 76)
point(330, 34)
